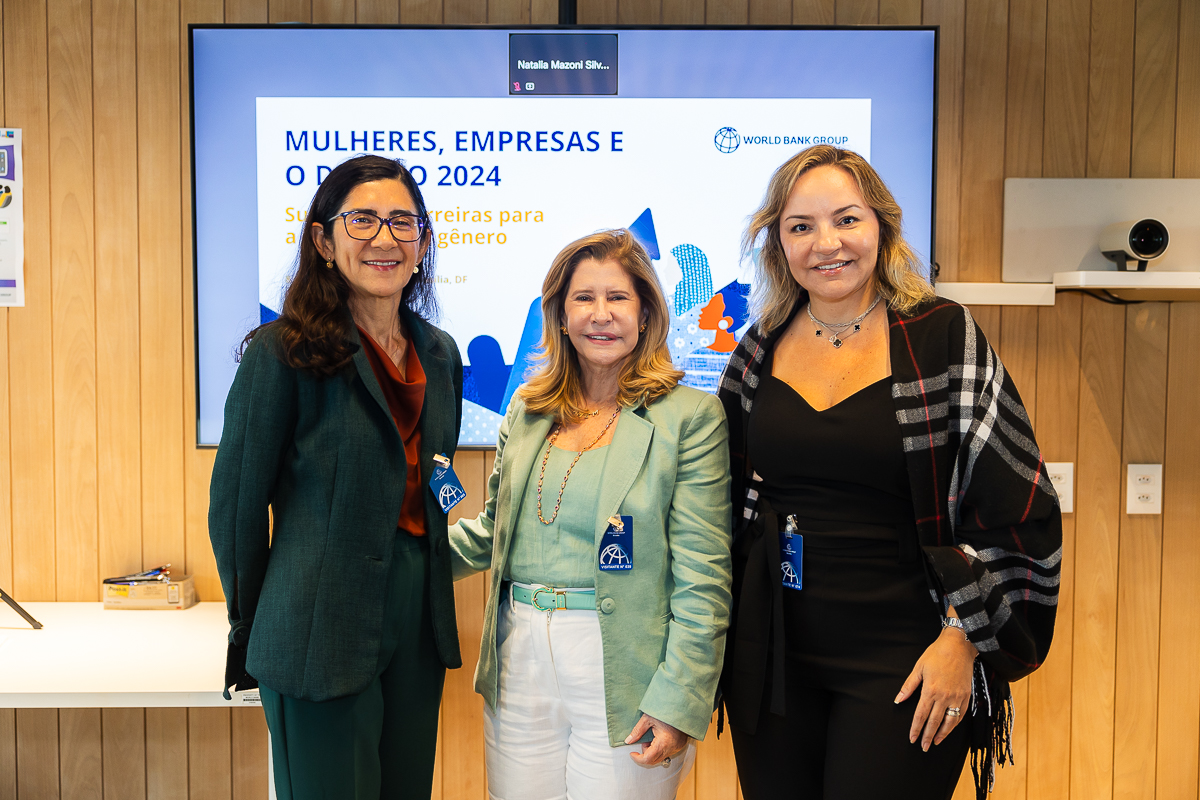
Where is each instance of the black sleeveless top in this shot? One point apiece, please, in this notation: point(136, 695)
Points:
point(841, 470)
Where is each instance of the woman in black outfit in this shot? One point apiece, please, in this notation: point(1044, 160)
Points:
point(896, 561)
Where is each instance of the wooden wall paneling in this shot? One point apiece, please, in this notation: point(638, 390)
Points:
point(543, 12)
point(1019, 333)
point(857, 12)
point(435, 790)
point(287, 11)
point(596, 12)
point(683, 12)
point(770, 12)
point(726, 12)
point(118, 365)
point(167, 753)
point(1155, 57)
point(639, 12)
point(951, 16)
point(248, 760)
point(1110, 88)
point(464, 11)
point(1140, 557)
point(8, 754)
point(1187, 89)
point(197, 462)
point(899, 12)
point(80, 767)
point(1026, 87)
point(983, 127)
point(124, 753)
point(73, 299)
point(510, 12)
point(339, 12)
point(1056, 424)
point(469, 467)
point(1098, 485)
point(209, 754)
point(1068, 47)
point(716, 771)
point(246, 11)
point(463, 773)
point(412, 12)
point(461, 726)
point(1179, 644)
point(814, 12)
point(30, 377)
point(37, 753)
point(161, 282)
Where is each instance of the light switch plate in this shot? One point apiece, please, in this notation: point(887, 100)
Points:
point(1062, 475)
point(1143, 489)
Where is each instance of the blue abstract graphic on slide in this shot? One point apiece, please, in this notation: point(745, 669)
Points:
point(704, 329)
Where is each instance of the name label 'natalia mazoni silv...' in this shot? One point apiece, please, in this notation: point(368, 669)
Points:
point(562, 63)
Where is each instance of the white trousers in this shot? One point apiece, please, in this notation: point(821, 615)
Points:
point(548, 739)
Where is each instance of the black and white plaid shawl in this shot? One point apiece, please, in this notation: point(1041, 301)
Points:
point(987, 516)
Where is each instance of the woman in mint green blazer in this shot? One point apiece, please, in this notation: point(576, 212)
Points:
point(342, 612)
point(608, 514)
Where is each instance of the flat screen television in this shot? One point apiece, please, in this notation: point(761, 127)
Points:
point(524, 139)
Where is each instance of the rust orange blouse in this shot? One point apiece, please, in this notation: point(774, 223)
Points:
point(405, 398)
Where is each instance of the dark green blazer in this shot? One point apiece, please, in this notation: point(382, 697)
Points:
point(306, 601)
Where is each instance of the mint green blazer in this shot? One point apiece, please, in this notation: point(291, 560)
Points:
point(662, 623)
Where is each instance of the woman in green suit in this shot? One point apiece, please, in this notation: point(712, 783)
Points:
point(343, 612)
point(606, 533)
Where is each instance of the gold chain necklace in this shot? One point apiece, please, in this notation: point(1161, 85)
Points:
point(579, 455)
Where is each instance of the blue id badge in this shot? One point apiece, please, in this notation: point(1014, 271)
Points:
point(445, 484)
point(791, 556)
point(616, 546)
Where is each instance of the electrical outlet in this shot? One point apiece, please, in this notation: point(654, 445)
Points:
point(1062, 476)
point(1143, 489)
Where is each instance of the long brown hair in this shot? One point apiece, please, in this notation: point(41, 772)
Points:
point(314, 327)
point(897, 270)
point(557, 387)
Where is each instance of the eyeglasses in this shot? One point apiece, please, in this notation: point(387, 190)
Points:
point(364, 226)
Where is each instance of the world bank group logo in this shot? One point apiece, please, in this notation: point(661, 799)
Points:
point(614, 557)
point(727, 140)
point(449, 495)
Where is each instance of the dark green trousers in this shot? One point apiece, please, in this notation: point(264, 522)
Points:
point(378, 745)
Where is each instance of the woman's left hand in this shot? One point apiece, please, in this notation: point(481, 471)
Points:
point(944, 674)
point(667, 742)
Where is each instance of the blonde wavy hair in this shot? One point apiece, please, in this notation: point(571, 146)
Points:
point(898, 271)
point(556, 387)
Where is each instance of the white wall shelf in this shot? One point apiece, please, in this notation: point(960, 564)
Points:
point(1149, 286)
point(997, 294)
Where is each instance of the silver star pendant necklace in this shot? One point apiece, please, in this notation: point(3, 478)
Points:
point(838, 331)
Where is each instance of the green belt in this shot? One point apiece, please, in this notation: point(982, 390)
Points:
point(546, 599)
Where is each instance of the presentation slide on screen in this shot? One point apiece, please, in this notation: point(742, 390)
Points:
point(508, 185)
point(523, 141)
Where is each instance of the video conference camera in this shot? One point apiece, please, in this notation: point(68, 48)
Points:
point(1139, 241)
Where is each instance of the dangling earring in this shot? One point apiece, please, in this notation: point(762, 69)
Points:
point(642, 329)
point(416, 270)
point(563, 328)
point(328, 264)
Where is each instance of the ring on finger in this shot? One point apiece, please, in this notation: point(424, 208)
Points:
point(953, 711)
